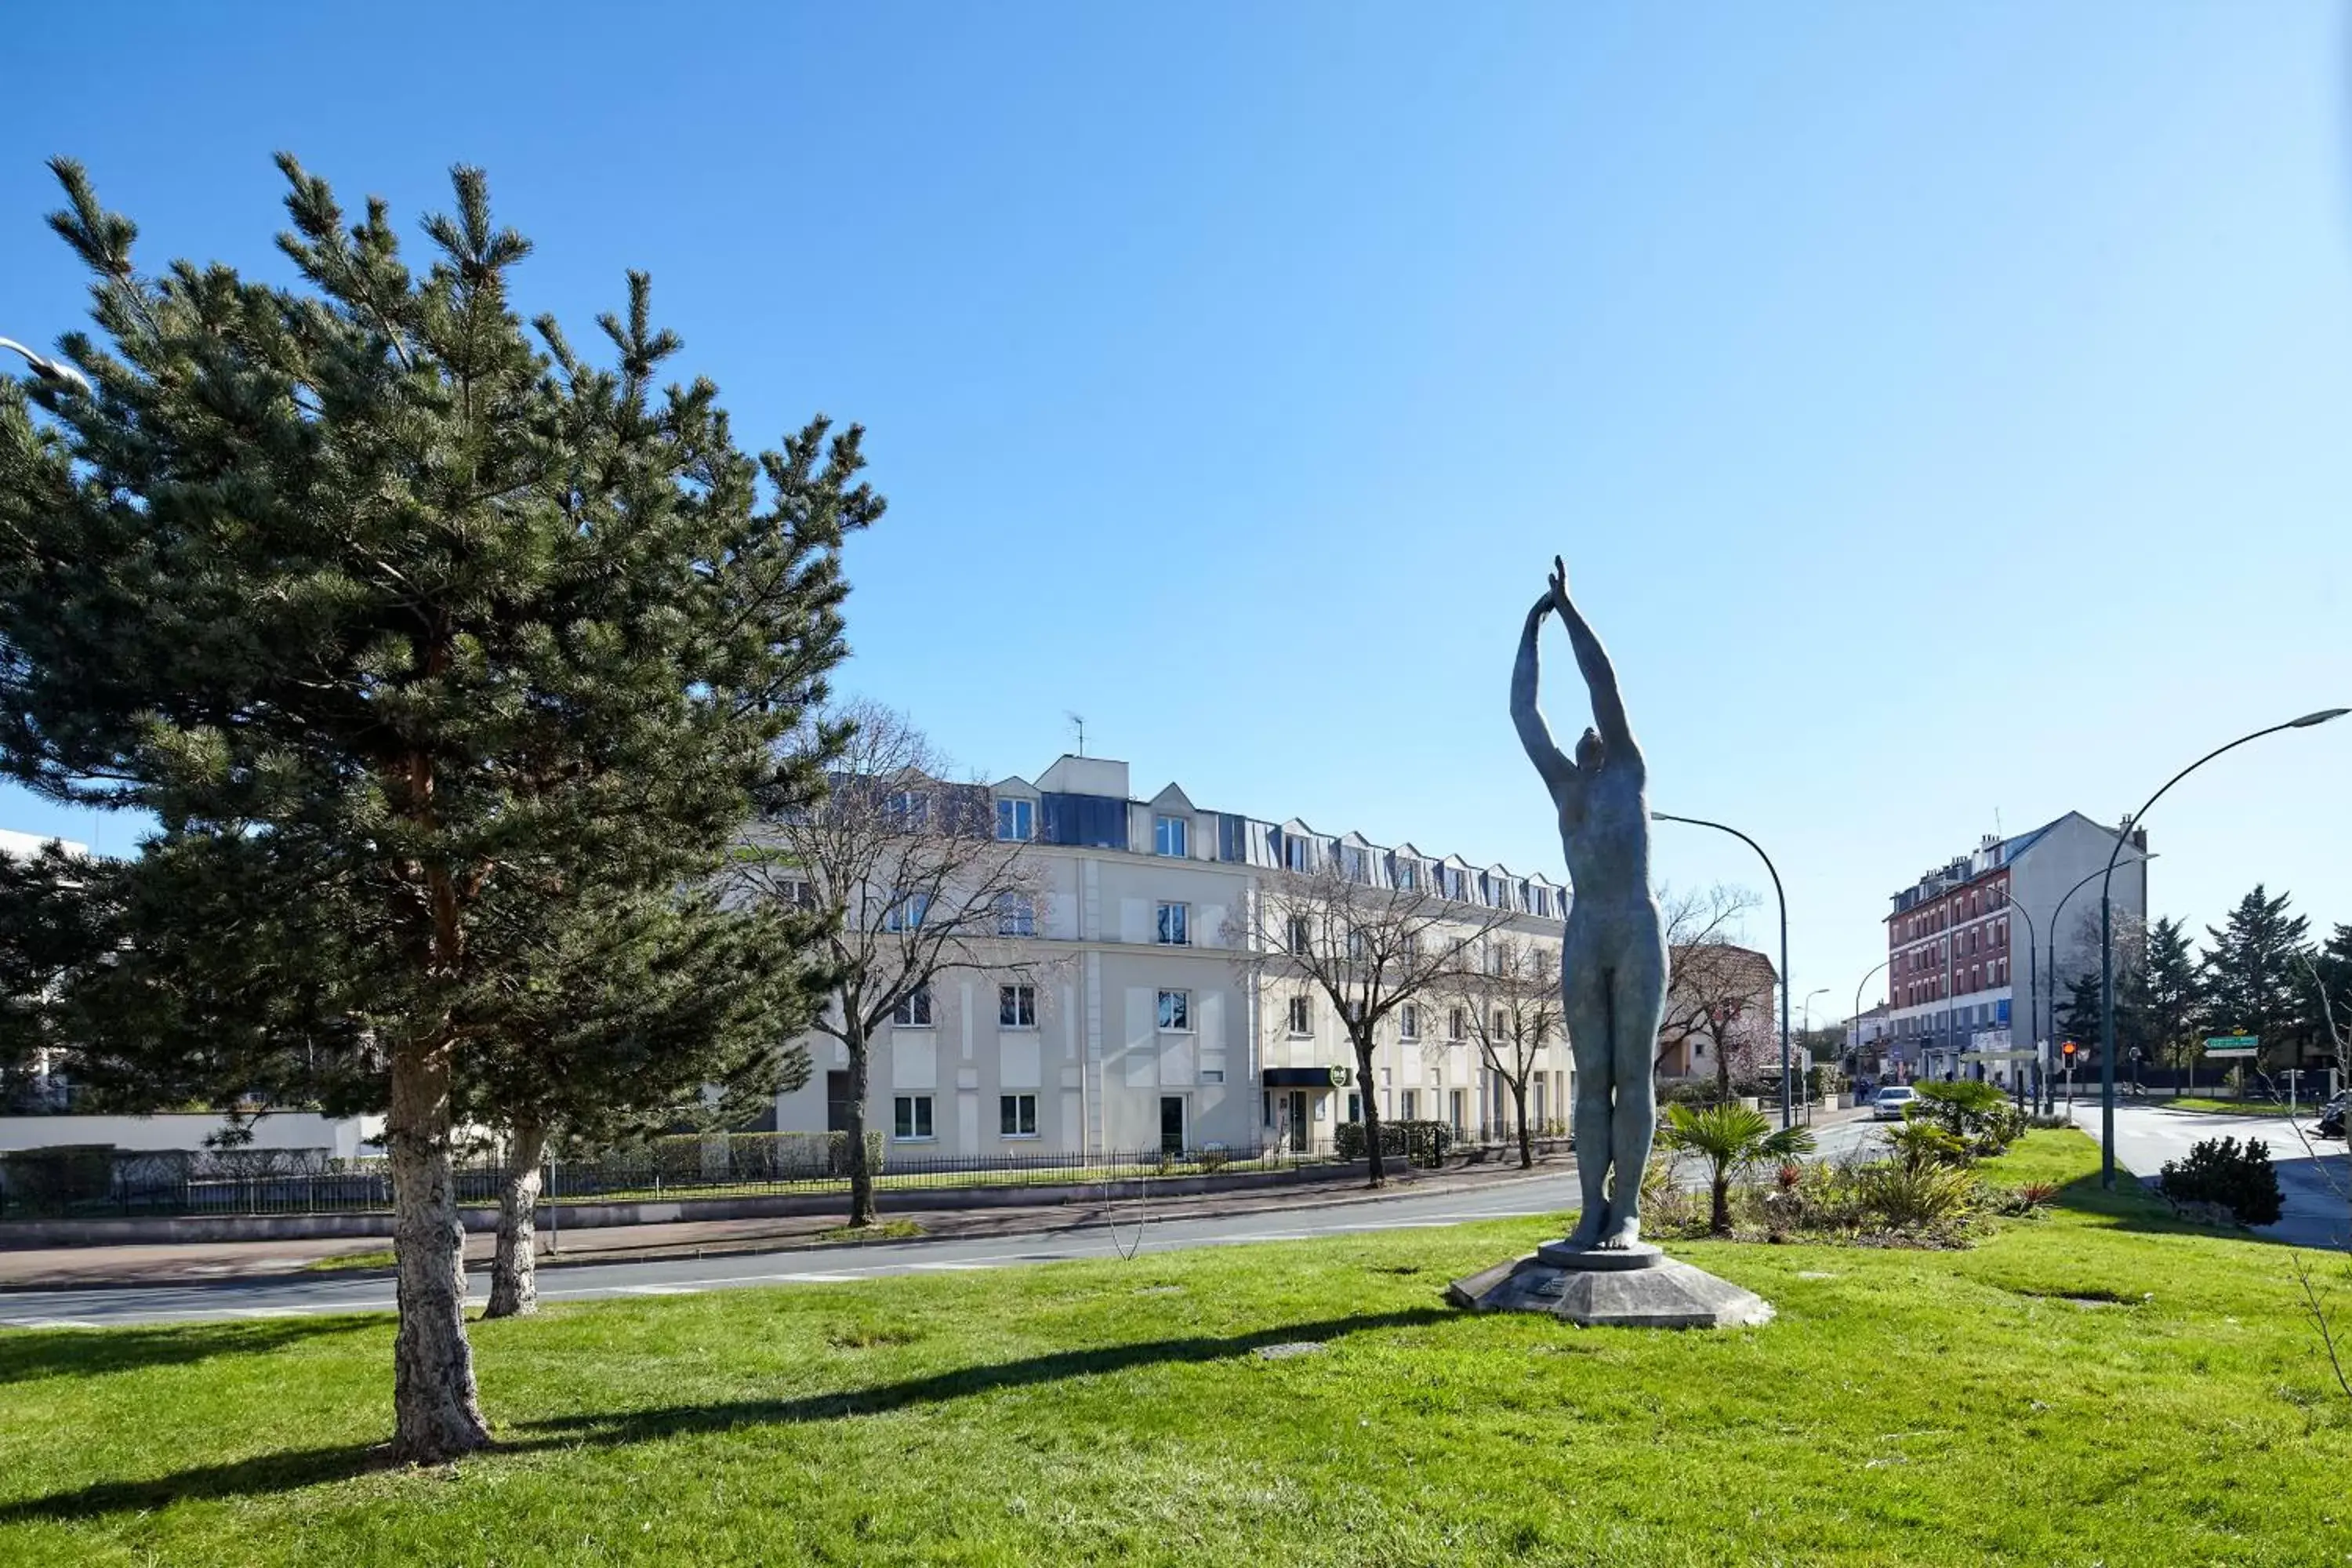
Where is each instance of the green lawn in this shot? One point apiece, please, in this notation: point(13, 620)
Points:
point(2235, 1106)
point(2098, 1385)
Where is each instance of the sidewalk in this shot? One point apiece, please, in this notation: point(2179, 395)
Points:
point(84, 1268)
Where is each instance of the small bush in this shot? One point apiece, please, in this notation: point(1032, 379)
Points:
point(1918, 1143)
point(1415, 1142)
point(1924, 1197)
point(2218, 1171)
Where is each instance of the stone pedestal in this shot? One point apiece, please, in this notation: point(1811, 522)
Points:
point(1636, 1287)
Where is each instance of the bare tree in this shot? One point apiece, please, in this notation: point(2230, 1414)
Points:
point(1512, 1011)
point(912, 882)
point(1719, 995)
point(1368, 937)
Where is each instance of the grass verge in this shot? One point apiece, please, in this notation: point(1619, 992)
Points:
point(2099, 1385)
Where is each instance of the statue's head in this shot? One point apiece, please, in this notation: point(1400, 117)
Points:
point(1588, 749)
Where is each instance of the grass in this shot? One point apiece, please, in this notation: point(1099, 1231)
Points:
point(2097, 1385)
point(880, 1230)
point(2234, 1106)
point(382, 1257)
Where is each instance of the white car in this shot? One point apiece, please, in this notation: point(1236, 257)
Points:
point(1888, 1103)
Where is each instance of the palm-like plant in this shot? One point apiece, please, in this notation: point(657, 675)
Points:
point(1730, 1137)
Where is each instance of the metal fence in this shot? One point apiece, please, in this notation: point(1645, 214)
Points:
point(148, 1185)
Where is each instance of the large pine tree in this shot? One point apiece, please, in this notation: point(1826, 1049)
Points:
point(409, 625)
point(2254, 976)
point(2172, 998)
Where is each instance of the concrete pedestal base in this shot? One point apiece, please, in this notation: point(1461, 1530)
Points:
point(1639, 1288)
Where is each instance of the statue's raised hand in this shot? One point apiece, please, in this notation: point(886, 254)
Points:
point(1559, 581)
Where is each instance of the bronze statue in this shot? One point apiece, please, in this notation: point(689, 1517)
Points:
point(1614, 963)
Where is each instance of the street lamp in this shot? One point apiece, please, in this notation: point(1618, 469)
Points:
point(2032, 985)
point(1857, 1007)
point(2050, 1093)
point(1788, 1117)
point(2106, 921)
point(55, 372)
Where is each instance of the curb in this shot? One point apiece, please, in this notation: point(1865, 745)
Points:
point(756, 1246)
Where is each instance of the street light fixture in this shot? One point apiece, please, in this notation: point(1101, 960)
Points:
point(2050, 1091)
point(1788, 1117)
point(1857, 1005)
point(55, 372)
point(2107, 957)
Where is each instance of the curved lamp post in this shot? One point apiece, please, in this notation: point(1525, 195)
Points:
point(2033, 990)
point(1857, 1003)
point(1787, 1116)
point(2050, 1090)
point(2107, 922)
point(56, 372)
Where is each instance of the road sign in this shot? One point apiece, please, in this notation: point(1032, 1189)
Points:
point(2231, 1044)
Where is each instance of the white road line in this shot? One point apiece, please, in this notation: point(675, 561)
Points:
point(49, 1323)
point(959, 1267)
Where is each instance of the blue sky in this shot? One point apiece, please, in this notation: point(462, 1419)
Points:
point(1943, 410)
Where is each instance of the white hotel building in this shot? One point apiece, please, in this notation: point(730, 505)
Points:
point(1129, 1023)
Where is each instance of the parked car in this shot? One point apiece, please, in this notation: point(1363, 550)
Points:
point(2331, 1115)
point(1888, 1103)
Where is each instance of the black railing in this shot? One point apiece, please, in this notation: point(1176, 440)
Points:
point(132, 1184)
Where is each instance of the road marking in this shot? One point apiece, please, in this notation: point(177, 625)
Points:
point(656, 1289)
point(50, 1323)
point(959, 1267)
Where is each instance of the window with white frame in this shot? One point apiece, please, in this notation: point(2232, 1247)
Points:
point(914, 1009)
point(1409, 948)
point(1351, 863)
point(905, 911)
point(1408, 874)
point(1016, 1115)
point(1176, 1011)
point(1175, 925)
point(1016, 1007)
point(910, 1117)
point(1302, 1015)
point(1456, 1021)
point(1355, 945)
point(1016, 820)
point(1170, 836)
point(907, 808)
point(1495, 950)
point(1016, 915)
point(1502, 1021)
point(1409, 1105)
point(1298, 854)
point(1299, 933)
point(1409, 1021)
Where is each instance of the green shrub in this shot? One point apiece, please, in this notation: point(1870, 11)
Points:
point(1978, 1115)
point(1924, 1197)
point(2218, 1171)
point(51, 1180)
point(1415, 1142)
point(1922, 1142)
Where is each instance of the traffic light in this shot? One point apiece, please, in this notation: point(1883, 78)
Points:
point(2068, 1049)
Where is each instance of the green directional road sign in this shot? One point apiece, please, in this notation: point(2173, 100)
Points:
point(2231, 1044)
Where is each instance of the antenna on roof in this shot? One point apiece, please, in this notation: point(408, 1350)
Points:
point(1078, 722)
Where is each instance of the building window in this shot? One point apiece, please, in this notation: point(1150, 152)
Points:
point(910, 1117)
point(1456, 1020)
point(1016, 1007)
point(1502, 1025)
point(905, 911)
point(1351, 863)
point(1015, 915)
point(1016, 1115)
point(1175, 925)
point(1408, 875)
point(1169, 837)
point(914, 1011)
point(1016, 820)
point(1409, 1022)
point(1212, 1075)
point(1411, 1104)
point(1355, 945)
point(1355, 1107)
point(1298, 933)
point(1493, 958)
point(1176, 1011)
point(907, 808)
point(1298, 854)
point(1302, 1015)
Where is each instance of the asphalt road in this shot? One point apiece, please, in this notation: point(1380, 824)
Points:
point(300, 1294)
point(2314, 1175)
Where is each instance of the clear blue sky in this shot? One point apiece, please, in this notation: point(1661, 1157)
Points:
point(1945, 412)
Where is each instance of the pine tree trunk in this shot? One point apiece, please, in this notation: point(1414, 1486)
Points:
point(436, 1413)
point(514, 1273)
point(1378, 1171)
point(861, 1171)
point(1527, 1136)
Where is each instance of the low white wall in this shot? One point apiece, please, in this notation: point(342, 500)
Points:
point(280, 1130)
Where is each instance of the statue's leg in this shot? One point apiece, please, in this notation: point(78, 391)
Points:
point(1584, 999)
point(1637, 997)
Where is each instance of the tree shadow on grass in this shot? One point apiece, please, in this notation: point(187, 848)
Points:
point(30, 1354)
point(296, 1468)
